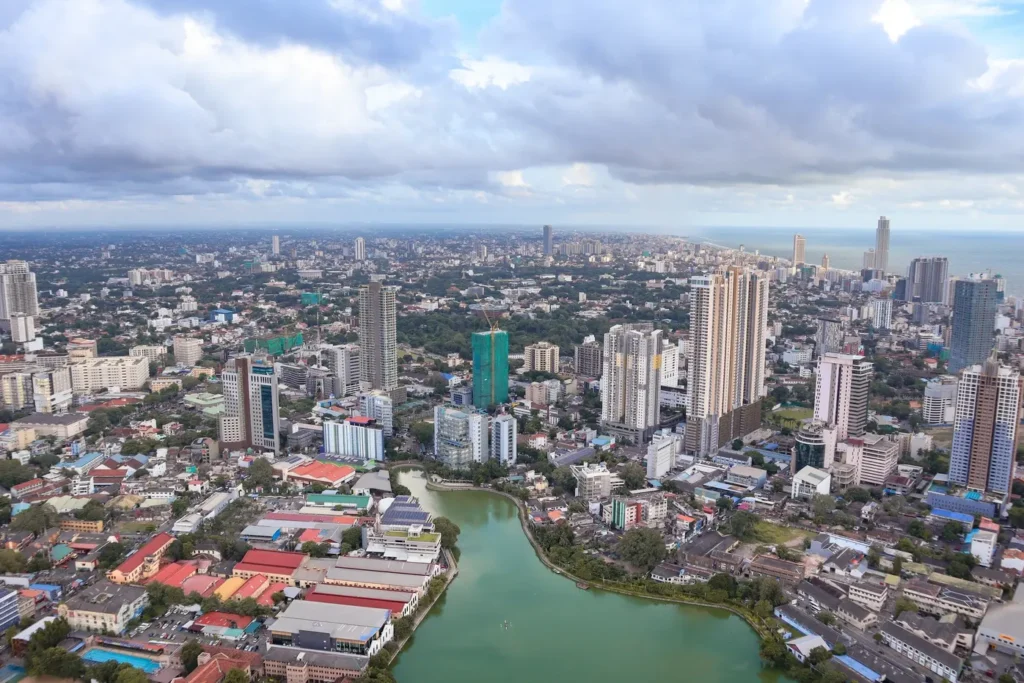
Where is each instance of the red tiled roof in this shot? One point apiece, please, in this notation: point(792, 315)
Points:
point(174, 574)
point(224, 619)
point(150, 548)
point(302, 517)
point(322, 471)
point(108, 474)
point(204, 585)
point(310, 535)
point(252, 588)
point(268, 569)
point(31, 483)
point(359, 419)
point(274, 558)
point(395, 606)
point(267, 598)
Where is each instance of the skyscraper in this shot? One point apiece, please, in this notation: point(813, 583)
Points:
point(503, 439)
point(974, 320)
point(829, 337)
point(631, 381)
point(985, 427)
point(824, 262)
point(360, 249)
point(378, 362)
point(343, 360)
point(726, 357)
point(588, 358)
point(17, 290)
point(881, 314)
point(549, 241)
point(251, 413)
point(799, 246)
point(841, 393)
point(275, 245)
point(870, 259)
point(926, 279)
point(882, 245)
point(490, 368)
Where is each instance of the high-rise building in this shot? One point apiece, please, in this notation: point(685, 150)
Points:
point(343, 361)
point(378, 360)
point(588, 359)
point(549, 241)
point(96, 374)
point(824, 262)
point(725, 357)
point(926, 279)
point(359, 437)
point(52, 390)
point(460, 439)
point(881, 314)
point(670, 365)
point(379, 406)
point(661, 455)
point(490, 368)
point(939, 406)
point(504, 429)
point(275, 245)
point(151, 352)
point(878, 457)
point(974, 321)
point(815, 446)
point(882, 245)
point(16, 390)
point(631, 381)
point(187, 351)
point(23, 328)
point(829, 338)
point(541, 357)
point(360, 249)
point(869, 259)
point(18, 293)
point(841, 393)
point(251, 412)
point(988, 409)
point(799, 250)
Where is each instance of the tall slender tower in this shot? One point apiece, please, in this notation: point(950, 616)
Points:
point(631, 381)
point(251, 411)
point(378, 362)
point(824, 262)
point(882, 245)
point(985, 427)
point(799, 250)
point(490, 368)
point(360, 249)
point(974, 321)
point(275, 245)
point(841, 393)
point(726, 357)
point(18, 293)
point(549, 240)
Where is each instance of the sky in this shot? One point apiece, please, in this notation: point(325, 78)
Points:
point(658, 113)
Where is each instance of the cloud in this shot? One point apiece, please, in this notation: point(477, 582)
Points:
point(368, 101)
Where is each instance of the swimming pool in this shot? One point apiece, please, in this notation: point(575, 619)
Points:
point(12, 673)
point(98, 655)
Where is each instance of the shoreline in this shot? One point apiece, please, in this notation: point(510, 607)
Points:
point(539, 552)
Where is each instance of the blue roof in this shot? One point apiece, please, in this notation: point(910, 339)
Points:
point(954, 516)
point(85, 460)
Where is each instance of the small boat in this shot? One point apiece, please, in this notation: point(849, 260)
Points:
point(582, 586)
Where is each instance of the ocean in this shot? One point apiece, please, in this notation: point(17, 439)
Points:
point(1000, 253)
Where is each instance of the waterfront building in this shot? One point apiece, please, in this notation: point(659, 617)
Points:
point(379, 406)
point(985, 425)
point(631, 381)
point(460, 438)
point(974, 320)
point(841, 393)
point(799, 250)
point(725, 357)
point(504, 431)
point(540, 357)
point(342, 628)
point(490, 368)
point(378, 360)
point(360, 437)
point(926, 279)
point(882, 245)
point(251, 416)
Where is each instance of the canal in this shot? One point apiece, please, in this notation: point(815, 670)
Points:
point(556, 631)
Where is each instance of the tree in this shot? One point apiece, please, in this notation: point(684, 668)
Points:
point(13, 472)
point(857, 495)
point(819, 654)
point(950, 532)
point(742, 524)
point(724, 503)
point(130, 674)
point(314, 549)
point(261, 475)
point(353, 537)
point(904, 605)
point(839, 650)
point(449, 531)
point(55, 661)
point(12, 562)
point(179, 506)
point(236, 676)
point(897, 565)
point(725, 583)
point(823, 504)
point(918, 529)
point(189, 655)
point(634, 475)
point(111, 555)
point(642, 547)
point(422, 432)
point(36, 519)
point(403, 628)
point(1006, 678)
point(826, 617)
point(92, 512)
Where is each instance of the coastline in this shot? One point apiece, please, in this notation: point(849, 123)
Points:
point(760, 629)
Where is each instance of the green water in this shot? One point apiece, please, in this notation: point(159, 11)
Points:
point(557, 632)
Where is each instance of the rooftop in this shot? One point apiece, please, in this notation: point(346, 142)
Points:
point(342, 622)
point(104, 597)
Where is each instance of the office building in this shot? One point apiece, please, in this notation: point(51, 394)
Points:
point(541, 357)
point(359, 437)
point(882, 245)
point(985, 425)
point(490, 368)
point(881, 314)
point(593, 481)
point(187, 351)
point(52, 390)
point(250, 404)
point(725, 357)
point(18, 295)
point(631, 381)
point(927, 278)
point(829, 338)
point(275, 245)
point(360, 249)
point(343, 362)
point(815, 446)
point(878, 458)
point(460, 438)
point(23, 328)
point(588, 359)
point(799, 248)
point(974, 320)
point(122, 372)
point(841, 393)
point(504, 430)
point(939, 405)
point(549, 241)
point(9, 613)
point(379, 406)
point(378, 360)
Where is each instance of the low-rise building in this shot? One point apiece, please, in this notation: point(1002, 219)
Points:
point(809, 482)
point(935, 599)
point(144, 562)
point(855, 615)
point(342, 628)
point(9, 613)
point(305, 666)
point(103, 606)
point(869, 595)
point(922, 652)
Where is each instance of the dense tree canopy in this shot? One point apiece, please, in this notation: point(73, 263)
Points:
point(642, 547)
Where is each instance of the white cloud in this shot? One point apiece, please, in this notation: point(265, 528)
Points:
point(842, 199)
point(578, 174)
point(490, 72)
